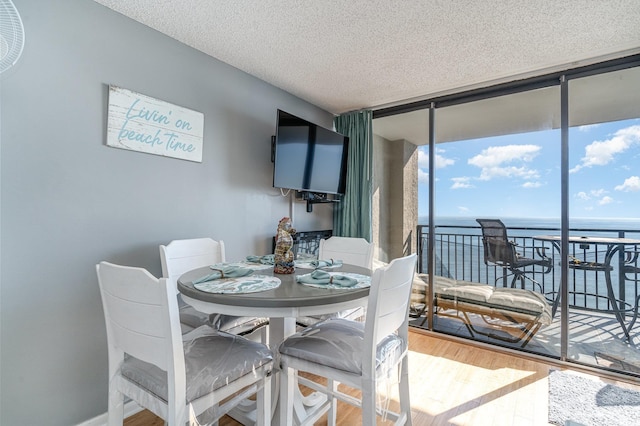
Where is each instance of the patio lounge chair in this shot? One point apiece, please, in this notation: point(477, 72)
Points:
point(516, 313)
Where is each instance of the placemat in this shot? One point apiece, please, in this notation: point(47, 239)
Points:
point(363, 281)
point(251, 265)
point(240, 285)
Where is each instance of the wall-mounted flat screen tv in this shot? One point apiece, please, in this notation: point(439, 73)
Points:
point(308, 157)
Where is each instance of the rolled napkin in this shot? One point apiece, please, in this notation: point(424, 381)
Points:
point(267, 259)
point(222, 271)
point(323, 277)
point(325, 263)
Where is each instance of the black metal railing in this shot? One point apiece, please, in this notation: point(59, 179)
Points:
point(459, 255)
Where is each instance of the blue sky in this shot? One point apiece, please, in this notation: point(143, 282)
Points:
point(519, 175)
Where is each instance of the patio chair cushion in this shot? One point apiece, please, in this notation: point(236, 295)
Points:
point(470, 292)
point(525, 302)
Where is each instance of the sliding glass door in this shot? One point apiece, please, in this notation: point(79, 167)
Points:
point(604, 219)
point(528, 199)
point(497, 159)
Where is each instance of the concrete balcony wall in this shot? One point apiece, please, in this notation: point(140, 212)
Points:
point(409, 198)
point(395, 197)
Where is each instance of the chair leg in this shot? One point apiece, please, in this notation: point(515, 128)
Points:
point(516, 277)
point(405, 401)
point(635, 314)
point(263, 403)
point(115, 411)
point(286, 395)
point(332, 385)
point(369, 403)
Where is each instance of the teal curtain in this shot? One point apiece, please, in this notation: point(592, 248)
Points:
point(352, 216)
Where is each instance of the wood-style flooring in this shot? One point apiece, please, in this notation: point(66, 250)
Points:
point(458, 384)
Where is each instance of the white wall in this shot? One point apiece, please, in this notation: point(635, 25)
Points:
point(68, 201)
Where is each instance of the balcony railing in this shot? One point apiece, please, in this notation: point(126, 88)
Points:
point(459, 255)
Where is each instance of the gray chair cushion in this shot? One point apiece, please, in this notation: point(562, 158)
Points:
point(212, 360)
point(338, 343)
point(352, 314)
point(237, 325)
point(191, 318)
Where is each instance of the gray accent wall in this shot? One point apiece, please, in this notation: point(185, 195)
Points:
point(68, 201)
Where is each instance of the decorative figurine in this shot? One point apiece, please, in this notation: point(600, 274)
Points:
point(284, 243)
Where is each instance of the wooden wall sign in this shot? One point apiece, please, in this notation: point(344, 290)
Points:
point(141, 123)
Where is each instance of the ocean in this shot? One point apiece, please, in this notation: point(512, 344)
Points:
point(537, 224)
point(459, 254)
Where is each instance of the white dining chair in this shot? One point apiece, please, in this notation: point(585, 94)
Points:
point(181, 382)
point(352, 251)
point(360, 355)
point(180, 256)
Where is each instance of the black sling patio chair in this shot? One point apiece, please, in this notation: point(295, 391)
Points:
point(500, 251)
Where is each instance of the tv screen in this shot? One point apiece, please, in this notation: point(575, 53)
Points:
point(309, 157)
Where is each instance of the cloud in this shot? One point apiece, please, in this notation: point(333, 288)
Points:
point(463, 209)
point(461, 182)
point(497, 155)
point(594, 193)
point(605, 200)
point(506, 161)
point(423, 177)
point(423, 159)
point(531, 185)
point(489, 173)
point(441, 160)
point(630, 184)
point(601, 153)
point(588, 127)
point(583, 196)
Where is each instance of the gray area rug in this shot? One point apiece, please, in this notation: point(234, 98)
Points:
point(575, 400)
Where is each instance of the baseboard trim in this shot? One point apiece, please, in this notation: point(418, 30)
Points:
point(130, 408)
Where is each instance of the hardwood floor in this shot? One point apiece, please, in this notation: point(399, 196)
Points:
point(456, 384)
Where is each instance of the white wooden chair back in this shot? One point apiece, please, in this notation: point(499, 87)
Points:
point(388, 305)
point(141, 315)
point(180, 256)
point(361, 358)
point(353, 251)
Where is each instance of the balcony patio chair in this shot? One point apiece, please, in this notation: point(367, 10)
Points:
point(501, 252)
point(193, 381)
point(180, 256)
point(352, 251)
point(359, 355)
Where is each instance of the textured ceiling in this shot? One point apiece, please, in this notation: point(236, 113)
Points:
point(345, 55)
